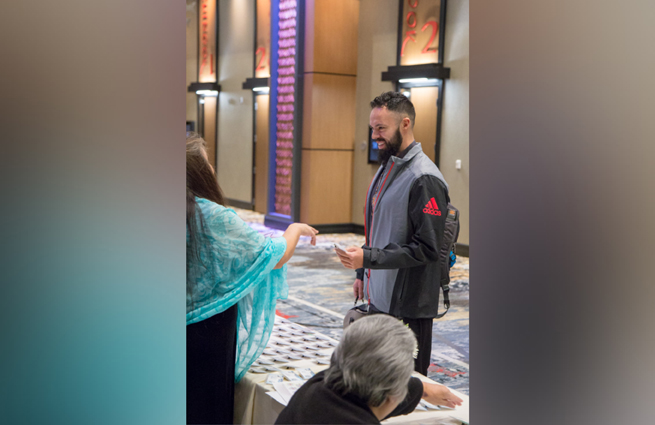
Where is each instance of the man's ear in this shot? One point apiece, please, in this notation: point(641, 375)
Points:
point(406, 123)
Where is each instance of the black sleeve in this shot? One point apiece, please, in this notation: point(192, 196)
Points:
point(426, 229)
point(360, 273)
point(414, 394)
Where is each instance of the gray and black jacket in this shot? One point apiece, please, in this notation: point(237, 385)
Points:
point(403, 235)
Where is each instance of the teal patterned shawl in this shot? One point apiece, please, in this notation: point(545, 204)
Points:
point(236, 267)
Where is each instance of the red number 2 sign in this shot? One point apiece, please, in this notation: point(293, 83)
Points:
point(427, 48)
point(435, 28)
point(261, 65)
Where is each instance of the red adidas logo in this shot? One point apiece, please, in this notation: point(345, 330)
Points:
point(432, 208)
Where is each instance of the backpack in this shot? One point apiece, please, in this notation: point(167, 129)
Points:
point(447, 253)
point(355, 313)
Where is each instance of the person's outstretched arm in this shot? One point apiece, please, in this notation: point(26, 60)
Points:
point(292, 234)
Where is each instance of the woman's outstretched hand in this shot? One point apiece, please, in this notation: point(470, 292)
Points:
point(292, 234)
point(307, 230)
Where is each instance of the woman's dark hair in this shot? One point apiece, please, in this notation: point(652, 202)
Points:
point(200, 182)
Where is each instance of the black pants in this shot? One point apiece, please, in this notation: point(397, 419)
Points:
point(422, 329)
point(210, 359)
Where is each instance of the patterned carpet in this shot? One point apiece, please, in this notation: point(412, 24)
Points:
point(320, 294)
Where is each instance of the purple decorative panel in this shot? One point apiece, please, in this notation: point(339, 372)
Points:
point(286, 62)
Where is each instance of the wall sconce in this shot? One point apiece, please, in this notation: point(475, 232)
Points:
point(205, 89)
point(209, 93)
point(259, 85)
point(426, 81)
point(424, 74)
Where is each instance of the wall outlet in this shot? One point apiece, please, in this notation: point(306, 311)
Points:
point(458, 164)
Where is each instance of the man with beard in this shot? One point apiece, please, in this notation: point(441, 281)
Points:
point(406, 208)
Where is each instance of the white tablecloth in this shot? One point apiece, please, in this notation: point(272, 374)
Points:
point(253, 406)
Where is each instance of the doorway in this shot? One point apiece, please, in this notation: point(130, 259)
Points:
point(426, 100)
point(260, 154)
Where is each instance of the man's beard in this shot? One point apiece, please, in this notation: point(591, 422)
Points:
point(392, 146)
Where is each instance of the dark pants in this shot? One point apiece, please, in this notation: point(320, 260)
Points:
point(422, 329)
point(210, 360)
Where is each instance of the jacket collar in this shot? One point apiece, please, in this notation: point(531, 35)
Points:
point(397, 164)
point(408, 156)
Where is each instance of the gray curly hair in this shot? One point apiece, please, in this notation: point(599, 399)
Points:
point(374, 360)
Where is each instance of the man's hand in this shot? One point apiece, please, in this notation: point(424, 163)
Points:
point(440, 395)
point(352, 259)
point(358, 289)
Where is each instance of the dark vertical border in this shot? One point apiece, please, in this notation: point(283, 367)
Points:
point(198, 43)
point(442, 31)
point(254, 148)
point(272, 106)
point(201, 109)
point(437, 142)
point(254, 110)
point(442, 83)
point(298, 112)
point(254, 42)
point(399, 41)
point(218, 96)
point(400, 33)
point(201, 119)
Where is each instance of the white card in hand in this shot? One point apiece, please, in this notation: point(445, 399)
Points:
point(340, 248)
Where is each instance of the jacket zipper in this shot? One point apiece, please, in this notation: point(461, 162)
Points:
point(373, 205)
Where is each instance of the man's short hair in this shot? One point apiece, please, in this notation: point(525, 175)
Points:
point(396, 102)
point(374, 360)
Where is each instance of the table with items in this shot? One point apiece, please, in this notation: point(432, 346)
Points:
point(293, 355)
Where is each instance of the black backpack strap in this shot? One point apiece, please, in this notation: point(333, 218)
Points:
point(446, 300)
point(451, 233)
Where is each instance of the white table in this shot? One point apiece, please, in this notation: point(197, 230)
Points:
point(253, 406)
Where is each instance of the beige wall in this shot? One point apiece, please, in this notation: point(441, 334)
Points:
point(377, 40)
point(376, 50)
point(235, 109)
point(455, 114)
point(191, 58)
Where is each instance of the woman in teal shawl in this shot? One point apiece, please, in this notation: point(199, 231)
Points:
point(234, 277)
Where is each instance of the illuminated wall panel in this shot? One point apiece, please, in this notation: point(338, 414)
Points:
point(286, 105)
point(263, 48)
point(420, 32)
point(207, 41)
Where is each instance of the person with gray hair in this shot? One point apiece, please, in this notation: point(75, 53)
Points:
point(369, 379)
